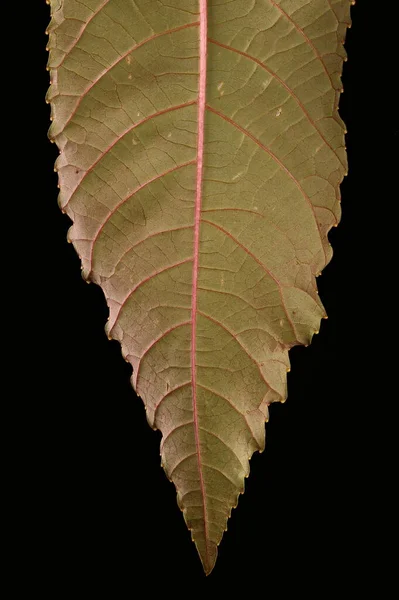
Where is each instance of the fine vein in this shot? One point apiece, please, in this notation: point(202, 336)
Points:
point(119, 60)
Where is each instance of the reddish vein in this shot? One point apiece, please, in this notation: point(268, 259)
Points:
point(248, 251)
point(333, 11)
point(124, 200)
point(197, 220)
point(233, 406)
point(154, 343)
point(235, 337)
point(95, 13)
point(172, 391)
point(148, 278)
point(278, 161)
point(282, 82)
point(308, 40)
point(119, 60)
point(148, 237)
point(122, 135)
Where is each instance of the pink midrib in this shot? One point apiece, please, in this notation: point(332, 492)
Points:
point(197, 221)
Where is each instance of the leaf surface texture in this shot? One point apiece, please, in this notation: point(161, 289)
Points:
point(201, 154)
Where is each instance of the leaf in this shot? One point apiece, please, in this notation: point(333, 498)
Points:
point(201, 154)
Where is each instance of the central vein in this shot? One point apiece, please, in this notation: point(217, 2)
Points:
point(197, 221)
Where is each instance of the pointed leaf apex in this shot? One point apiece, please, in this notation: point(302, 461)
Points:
point(207, 555)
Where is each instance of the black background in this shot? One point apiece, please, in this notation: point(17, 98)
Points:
point(103, 514)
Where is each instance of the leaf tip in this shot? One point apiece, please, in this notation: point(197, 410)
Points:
point(208, 553)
